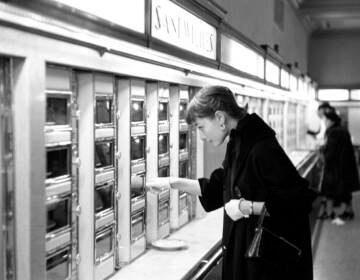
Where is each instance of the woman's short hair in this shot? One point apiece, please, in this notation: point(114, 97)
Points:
point(210, 99)
point(331, 115)
point(324, 105)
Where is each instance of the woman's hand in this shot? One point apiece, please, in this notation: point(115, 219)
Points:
point(158, 183)
point(233, 211)
point(182, 184)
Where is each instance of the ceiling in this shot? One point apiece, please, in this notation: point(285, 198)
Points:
point(326, 16)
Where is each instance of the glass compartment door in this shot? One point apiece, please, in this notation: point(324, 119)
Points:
point(137, 225)
point(58, 265)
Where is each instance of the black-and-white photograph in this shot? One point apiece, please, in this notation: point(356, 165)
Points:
point(179, 139)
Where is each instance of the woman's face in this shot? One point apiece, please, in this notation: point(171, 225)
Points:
point(211, 130)
point(328, 122)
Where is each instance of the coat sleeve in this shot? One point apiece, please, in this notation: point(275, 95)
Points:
point(212, 190)
point(287, 193)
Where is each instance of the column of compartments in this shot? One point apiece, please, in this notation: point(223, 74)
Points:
point(61, 139)
point(105, 170)
point(158, 160)
point(132, 169)
point(179, 153)
point(301, 126)
point(291, 126)
point(276, 119)
point(7, 175)
point(195, 164)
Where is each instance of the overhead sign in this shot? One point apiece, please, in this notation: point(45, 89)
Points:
point(129, 14)
point(176, 26)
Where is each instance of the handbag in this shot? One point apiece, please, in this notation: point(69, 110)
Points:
point(256, 248)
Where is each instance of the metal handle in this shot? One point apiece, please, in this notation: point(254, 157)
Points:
point(78, 210)
point(78, 259)
point(77, 161)
point(134, 221)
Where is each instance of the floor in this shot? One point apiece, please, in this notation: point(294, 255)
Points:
point(337, 255)
point(337, 250)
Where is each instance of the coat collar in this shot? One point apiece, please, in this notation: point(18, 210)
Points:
point(250, 130)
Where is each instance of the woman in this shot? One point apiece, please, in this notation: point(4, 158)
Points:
point(256, 173)
point(340, 177)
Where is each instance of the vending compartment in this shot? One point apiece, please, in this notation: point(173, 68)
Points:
point(58, 225)
point(163, 144)
point(184, 169)
point(137, 154)
point(164, 209)
point(179, 210)
point(182, 110)
point(158, 214)
point(104, 244)
point(138, 223)
point(58, 163)
point(182, 202)
point(58, 110)
point(104, 204)
point(104, 154)
point(164, 171)
point(58, 264)
point(163, 113)
point(137, 112)
point(104, 110)
point(137, 115)
point(58, 118)
point(183, 142)
point(137, 148)
point(137, 187)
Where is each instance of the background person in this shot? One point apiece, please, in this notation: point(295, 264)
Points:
point(340, 176)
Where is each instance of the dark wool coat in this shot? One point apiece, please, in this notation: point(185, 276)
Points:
point(340, 176)
point(257, 168)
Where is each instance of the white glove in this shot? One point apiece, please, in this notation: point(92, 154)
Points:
point(233, 211)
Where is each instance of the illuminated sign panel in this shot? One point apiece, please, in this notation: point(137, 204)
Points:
point(176, 26)
point(272, 72)
point(355, 94)
point(241, 57)
point(333, 94)
point(285, 78)
point(293, 83)
point(129, 14)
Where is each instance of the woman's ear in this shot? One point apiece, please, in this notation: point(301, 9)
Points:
point(220, 117)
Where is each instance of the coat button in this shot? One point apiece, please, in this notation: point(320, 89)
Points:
point(223, 247)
